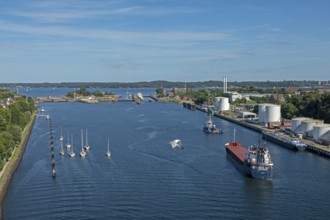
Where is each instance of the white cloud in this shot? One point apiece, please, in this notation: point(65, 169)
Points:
point(68, 10)
point(169, 36)
point(68, 15)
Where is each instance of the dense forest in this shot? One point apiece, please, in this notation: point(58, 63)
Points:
point(13, 120)
point(4, 94)
point(168, 84)
point(312, 105)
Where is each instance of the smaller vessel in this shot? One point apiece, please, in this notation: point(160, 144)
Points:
point(176, 144)
point(72, 154)
point(61, 140)
point(189, 105)
point(140, 96)
point(284, 140)
point(53, 173)
point(68, 145)
point(210, 128)
point(108, 153)
point(82, 152)
point(87, 147)
point(255, 161)
point(42, 109)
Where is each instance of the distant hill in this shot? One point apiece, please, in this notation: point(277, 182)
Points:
point(169, 84)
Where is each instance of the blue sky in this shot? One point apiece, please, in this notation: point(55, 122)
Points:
point(174, 40)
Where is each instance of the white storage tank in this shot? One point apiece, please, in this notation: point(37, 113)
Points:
point(222, 103)
point(295, 123)
point(262, 113)
point(307, 128)
point(273, 113)
point(319, 130)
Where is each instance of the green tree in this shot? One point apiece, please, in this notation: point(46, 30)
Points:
point(6, 138)
point(98, 93)
point(288, 110)
point(160, 92)
point(16, 132)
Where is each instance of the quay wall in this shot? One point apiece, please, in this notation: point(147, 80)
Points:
point(311, 146)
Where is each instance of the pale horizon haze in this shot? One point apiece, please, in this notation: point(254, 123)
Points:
point(173, 40)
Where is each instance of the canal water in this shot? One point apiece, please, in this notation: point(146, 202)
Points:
point(60, 92)
point(146, 179)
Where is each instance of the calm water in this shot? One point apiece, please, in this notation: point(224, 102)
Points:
point(60, 92)
point(146, 179)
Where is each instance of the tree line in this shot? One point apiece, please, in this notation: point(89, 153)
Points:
point(311, 105)
point(13, 119)
point(170, 84)
point(4, 94)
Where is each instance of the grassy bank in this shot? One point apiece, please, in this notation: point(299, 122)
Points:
point(13, 162)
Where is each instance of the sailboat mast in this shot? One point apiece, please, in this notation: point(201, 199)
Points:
point(234, 135)
point(86, 138)
point(71, 143)
point(61, 144)
point(82, 139)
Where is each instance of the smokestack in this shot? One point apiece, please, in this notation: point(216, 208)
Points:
point(225, 84)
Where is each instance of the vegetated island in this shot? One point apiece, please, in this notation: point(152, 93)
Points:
point(17, 116)
point(83, 95)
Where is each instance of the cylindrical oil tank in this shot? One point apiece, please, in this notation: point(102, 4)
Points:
point(307, 128)
point(262, 113)
point(295, 123)
point(222, 103)
point(273, 113)
point(319, 130)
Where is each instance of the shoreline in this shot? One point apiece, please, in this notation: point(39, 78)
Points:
point(311, 145)
point(15, 159)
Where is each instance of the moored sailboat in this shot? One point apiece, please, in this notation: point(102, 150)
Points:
point(61, 140)
point(82, 152)
point(68, 144)
point(72, 154)
point(108, 153)
point(87, 147)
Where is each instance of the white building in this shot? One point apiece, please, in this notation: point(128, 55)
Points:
point(234, 96)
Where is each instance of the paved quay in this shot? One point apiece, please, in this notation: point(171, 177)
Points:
point(311, 145)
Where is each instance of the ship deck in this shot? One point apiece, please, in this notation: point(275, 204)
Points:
point(239, 150)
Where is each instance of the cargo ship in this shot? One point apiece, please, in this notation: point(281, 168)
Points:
point(284, 140)
point(255, 161)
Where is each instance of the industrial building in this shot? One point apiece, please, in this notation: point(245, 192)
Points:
point(245, 114)
point(233, 96)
